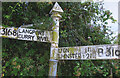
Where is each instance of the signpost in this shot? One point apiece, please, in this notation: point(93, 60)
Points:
point(92, 52)
point(56, 10)
point(26, 34)
point(89, 52)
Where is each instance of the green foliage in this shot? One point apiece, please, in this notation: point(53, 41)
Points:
point(25, 59)
point(90, 27)
point(117, 40)
point(81, 24)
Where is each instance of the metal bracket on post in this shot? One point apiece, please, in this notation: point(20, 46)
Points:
point(56, 10)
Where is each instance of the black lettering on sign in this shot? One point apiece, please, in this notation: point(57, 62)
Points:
point(65, 50)
point(39, 38)
point(66, 56)
point(42, 38)
point(32, 31)
point(27, 36)
point(8, 32)
point(40, 32)
point(15, 33)
point(46, 38)
point(88, 49)
point(23, 31)
point(73, 55)
point(88, 55)
point(20, 36)
point(112, 51)
point(27, 31)
point(59, 50)
point(108, 52)
point(100, 52)
point(3, 33)
point(117, 52)
point(19, 30)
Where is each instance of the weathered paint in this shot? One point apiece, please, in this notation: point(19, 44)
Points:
point(55, 40)
point(55, 36)
point(89, 52)
point(56, 8)
point(53, 53)
point(52, 69)
point(26, 34)
point(56, 15)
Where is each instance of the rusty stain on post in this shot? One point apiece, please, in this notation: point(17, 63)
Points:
point(56, 10)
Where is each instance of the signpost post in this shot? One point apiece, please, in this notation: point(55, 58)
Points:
point(92, 52)
point(56, 10)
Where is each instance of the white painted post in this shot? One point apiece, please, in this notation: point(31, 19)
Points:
point(56, 10)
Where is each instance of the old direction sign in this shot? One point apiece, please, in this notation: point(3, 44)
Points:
point(89, 52)
point(26, 34)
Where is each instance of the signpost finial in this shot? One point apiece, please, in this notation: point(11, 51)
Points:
point(56, 8)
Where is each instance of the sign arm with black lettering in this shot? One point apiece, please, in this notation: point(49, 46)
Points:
point(26, 34)
point(92, 52)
